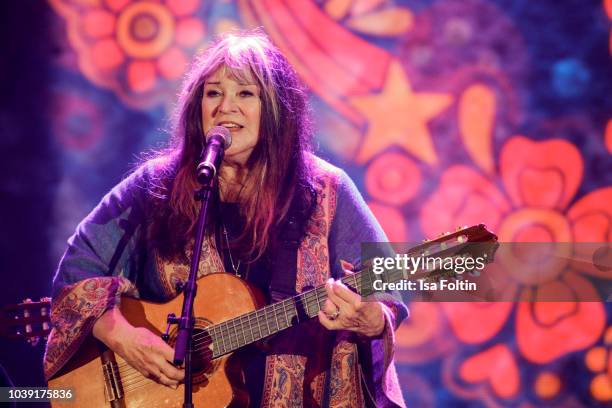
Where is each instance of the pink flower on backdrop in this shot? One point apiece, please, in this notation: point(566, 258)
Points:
point(530, 201)
point(138, 49)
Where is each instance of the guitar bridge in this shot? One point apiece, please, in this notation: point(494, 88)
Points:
point(112, 380)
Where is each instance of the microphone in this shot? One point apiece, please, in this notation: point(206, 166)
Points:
point(217, 140)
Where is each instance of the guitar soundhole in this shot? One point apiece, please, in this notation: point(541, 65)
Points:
point(202, 364)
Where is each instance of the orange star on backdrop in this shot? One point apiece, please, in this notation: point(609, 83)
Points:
point(398, 116)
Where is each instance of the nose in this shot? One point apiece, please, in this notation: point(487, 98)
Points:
point(228, 104)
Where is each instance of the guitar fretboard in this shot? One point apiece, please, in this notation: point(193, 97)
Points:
point(240, 331)
point(261, 323)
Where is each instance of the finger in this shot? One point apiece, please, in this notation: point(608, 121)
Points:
point(349, 310)
point(338, 324)
point(371, 321)
point(166, 351)
point(156, 373)
point(145, 373)
point(346, 266)
point(330, 307)
point(327, 322)
point(172, 372)
point(165, 355)
point(333, 296)
point(344, 293)
point(163, 379)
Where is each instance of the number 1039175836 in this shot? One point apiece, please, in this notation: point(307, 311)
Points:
point(33, 394)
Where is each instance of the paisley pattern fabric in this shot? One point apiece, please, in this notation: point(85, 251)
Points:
point(324, 372)
point(173, 273)
point(345, 390)
point(74, 313)
point(284, 374)
point(286, 378)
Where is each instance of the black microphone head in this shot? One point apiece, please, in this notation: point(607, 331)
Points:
point(220, 132)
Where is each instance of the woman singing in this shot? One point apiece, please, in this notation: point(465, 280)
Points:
point(277, 209)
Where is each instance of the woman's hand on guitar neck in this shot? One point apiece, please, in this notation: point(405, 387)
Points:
point(142, 349)
point(344, 310)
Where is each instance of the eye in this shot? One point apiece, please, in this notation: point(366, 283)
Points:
point(212, 93)
point(246, 93)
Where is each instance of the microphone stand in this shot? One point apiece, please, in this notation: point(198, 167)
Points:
point(184, 341)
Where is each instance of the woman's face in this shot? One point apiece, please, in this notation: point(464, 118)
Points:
point(236, 105)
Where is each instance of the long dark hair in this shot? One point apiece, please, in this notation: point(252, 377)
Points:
point(279, 166)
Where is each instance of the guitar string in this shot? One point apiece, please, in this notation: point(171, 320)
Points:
point(130, 383)
point(127, 375)
point(278, 310)
point(197, 344)
point(217, 332)
point(305, 298)
point(309, 298)
point(132, 379)
point(124, 367)
point(220, 331)
point(281, 312)
point(140, 383)
point(135, 383)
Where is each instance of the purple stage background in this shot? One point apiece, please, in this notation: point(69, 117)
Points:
point(444, 112)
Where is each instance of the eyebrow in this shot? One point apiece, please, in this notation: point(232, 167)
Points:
point(219, 83)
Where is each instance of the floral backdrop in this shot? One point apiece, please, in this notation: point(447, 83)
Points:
point(444, 112)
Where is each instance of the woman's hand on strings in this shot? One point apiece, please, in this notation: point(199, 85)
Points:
point(141, 348)
point(345, 310)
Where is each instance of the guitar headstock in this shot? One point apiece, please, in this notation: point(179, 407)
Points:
point(462, 235)
point(474, 241)
point(474, 233)
point(28, 320)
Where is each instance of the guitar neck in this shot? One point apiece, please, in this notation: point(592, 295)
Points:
point(261, 323)
point(240, 331)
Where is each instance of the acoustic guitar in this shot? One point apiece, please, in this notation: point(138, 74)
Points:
point(229, 316)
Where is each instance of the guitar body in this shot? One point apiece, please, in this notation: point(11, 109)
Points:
point(98, 376)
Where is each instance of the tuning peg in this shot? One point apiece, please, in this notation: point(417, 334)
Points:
point(45, 312)
point(426, 240)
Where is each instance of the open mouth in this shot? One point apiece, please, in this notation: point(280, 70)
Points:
point(230, 125)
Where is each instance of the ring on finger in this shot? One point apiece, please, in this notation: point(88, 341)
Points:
point(334, 315)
